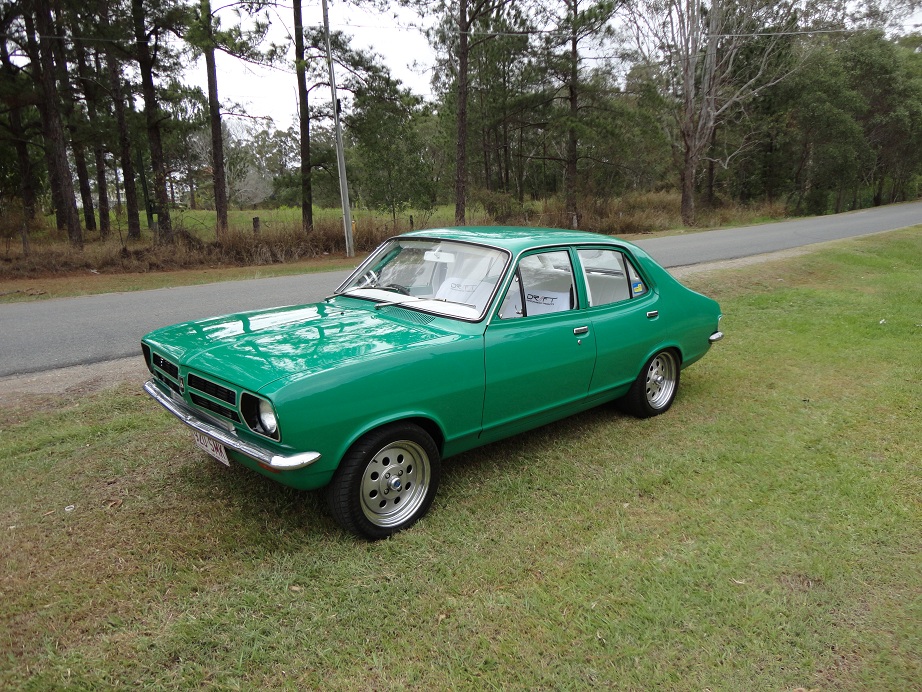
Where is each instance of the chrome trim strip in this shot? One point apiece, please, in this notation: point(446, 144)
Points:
point(715, 337)
point(253, 451)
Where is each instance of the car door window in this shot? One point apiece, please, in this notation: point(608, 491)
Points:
point(610, 276)
point(543, 283)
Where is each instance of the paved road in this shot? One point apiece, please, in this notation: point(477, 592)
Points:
point(57, 333)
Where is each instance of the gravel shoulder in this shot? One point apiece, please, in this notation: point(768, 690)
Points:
point(84, 379)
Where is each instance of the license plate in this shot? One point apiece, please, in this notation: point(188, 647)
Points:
point(215, 449)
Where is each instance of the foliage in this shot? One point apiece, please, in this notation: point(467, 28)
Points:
point(566, 105)
point(394, 172)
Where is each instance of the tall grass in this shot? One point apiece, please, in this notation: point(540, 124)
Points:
point(280, 238)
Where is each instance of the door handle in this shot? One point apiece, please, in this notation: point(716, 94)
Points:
point(653, 313)
point(581, 330)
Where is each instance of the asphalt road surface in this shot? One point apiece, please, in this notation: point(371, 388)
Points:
point(45, 335)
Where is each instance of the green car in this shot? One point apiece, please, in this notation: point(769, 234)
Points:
point(441, 341)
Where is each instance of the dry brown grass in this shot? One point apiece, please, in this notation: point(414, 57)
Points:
point(282, 242)
point(52, 255)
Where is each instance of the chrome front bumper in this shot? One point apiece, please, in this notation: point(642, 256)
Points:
point(715, 337)
point(264, 457)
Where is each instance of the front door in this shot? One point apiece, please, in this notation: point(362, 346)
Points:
point(540, 348)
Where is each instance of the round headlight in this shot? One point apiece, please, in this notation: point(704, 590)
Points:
point(267, 417)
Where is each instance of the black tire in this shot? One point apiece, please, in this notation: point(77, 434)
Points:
point(656, 386)
point(386, 482)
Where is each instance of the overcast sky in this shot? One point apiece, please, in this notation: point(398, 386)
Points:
point(273, 91)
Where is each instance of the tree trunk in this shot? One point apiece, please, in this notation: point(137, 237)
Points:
point(572, 141)
point(118, 192)
point(304, 118)
point(103, 192)
point(153, 116)
point(131, 191)
point(57, 199)
point(520, 169)
point(20, 142)
point(26, 176)
point(689, 169)
point(89, 82)
point(60, 168)
point(190, 181)
point(879, 190)
point(461, 125)
point(73, 120)
point(83, 180)
point(217, 135)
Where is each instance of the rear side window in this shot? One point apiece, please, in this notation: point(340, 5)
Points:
point(610, 276)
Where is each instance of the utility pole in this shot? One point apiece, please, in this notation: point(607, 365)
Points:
point(340, 154)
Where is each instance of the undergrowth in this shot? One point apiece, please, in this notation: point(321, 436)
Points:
point(281, 240)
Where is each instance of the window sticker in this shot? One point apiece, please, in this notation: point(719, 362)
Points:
point(638, 287)
point(543, 302)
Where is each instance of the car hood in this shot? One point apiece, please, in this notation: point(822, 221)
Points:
point(252, 349)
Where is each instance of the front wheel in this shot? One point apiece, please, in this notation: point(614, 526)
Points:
point(386, 481)
point(655, 388)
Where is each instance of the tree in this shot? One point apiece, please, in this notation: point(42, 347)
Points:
point(575, 23)
point(117, 94)
point(304, 120)
point(457, 34)
point(148, 24)
point(89, 81)
point(18, 98)
point(713, 57)
point(891, 110)
point(395, 172)
point(205, 34)
point(59, 168)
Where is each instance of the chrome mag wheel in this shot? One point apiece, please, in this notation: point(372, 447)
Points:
point(395, 483)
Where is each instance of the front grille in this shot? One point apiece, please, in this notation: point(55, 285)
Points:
point(212, 389)
point(166, 366)
point(168, 382)
point(214, 407)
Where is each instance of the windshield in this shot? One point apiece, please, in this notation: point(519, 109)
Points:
point(439, 276)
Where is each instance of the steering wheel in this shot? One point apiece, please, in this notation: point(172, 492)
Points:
point(369, 279)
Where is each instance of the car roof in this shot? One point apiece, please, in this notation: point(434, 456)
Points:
point(516, 239)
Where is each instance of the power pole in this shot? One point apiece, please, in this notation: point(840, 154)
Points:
point(340, 154)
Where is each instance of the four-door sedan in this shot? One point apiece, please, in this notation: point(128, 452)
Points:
point(441, 341)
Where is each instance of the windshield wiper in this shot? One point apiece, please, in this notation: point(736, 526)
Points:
point(348, 291)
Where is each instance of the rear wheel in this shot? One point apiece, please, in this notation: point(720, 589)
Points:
point(386, 481)
point(656, 386)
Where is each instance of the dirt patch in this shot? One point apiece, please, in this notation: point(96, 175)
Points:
point(16, 390)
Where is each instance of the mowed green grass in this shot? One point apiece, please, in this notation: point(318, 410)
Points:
point(764, 534)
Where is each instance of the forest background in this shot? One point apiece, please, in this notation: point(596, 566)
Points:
point(595, 114)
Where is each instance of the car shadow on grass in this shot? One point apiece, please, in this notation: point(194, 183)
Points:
point(255, 509)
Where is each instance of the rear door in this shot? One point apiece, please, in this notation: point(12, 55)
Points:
point(622, 309)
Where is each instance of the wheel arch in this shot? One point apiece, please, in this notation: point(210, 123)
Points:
point(428, 424)
point(666, 346)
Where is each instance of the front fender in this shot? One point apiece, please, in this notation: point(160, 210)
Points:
point(441, 386)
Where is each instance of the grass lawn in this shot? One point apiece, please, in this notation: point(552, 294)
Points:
point(764, 534)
